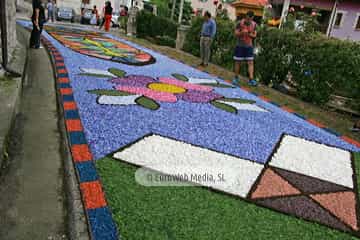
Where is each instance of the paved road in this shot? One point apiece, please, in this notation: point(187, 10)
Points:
point(31, 188)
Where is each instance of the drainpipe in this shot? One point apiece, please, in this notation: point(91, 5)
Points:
point(332, 19)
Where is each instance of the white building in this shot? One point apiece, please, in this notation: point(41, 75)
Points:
point(76, 4)
point(201, 6)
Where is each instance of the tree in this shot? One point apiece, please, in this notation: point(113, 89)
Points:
point(165, 8)
point(173, 9)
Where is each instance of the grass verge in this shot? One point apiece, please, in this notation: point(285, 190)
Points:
point(195, 213)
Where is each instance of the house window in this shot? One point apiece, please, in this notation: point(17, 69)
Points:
point(338, 19)
point(357, 26)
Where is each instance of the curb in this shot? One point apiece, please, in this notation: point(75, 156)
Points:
point(76, 219)
point(87, 205)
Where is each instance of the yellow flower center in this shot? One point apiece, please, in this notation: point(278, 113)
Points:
point(164, 87)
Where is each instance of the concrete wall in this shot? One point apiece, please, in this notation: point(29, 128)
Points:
point(209, 6)
point(11, 26)
point(351, 12)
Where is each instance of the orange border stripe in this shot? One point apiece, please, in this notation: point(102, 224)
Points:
point(63, 80)
point(66, 91)
point(351, 141)
point(69, 105)
point(93, 195)
point(287, 109)
point(264, 98)
point(81, 152)
point(316, 123)
point(74, 125)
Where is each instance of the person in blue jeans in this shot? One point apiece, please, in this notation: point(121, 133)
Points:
point(208, 32)
point(245, 33)
point(50, 10)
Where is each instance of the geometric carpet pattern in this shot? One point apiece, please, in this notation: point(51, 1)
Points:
point(328, 199)
point(307, 198)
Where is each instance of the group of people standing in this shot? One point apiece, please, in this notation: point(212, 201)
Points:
point(106, 16)
point(105, 19)
point(245, 33)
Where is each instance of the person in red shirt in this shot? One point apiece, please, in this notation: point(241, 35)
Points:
point(108, 15)
point(245, 33)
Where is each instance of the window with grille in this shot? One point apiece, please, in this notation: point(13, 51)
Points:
point(338, 20)
point(357, 26)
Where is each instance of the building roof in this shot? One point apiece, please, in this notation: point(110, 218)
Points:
point(255, 3)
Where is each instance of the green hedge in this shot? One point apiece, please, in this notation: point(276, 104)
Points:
point(161, 29)
point(319, 66)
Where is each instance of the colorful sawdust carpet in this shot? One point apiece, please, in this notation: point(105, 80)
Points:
point(175, 119)
point(96, 45)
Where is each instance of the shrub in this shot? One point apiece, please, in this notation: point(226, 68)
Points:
point(165, 41)
point(149, 25)
point(318, 68)
point(192, 40)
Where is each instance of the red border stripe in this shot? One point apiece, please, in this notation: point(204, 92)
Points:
point(69, 105)
point(351, 141)
point(93, 195)
point(246, 89)
point(81, 152)
point(316, 123)
point(63, 80)
point(264, 98)
point(66, 91)
point(62, 70)
point(74, 125)
point(287, 109)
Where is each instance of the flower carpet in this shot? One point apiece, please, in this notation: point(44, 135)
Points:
point(127, 107)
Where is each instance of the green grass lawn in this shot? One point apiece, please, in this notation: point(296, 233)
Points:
point(195, 213)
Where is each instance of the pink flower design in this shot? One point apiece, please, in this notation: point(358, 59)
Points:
point(165, 89)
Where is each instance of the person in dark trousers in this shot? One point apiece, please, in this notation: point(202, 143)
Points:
point(108, 15)
point(38, 20)
point(245, 33)
point(208, 32)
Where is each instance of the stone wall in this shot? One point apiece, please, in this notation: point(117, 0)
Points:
point(11, 26)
